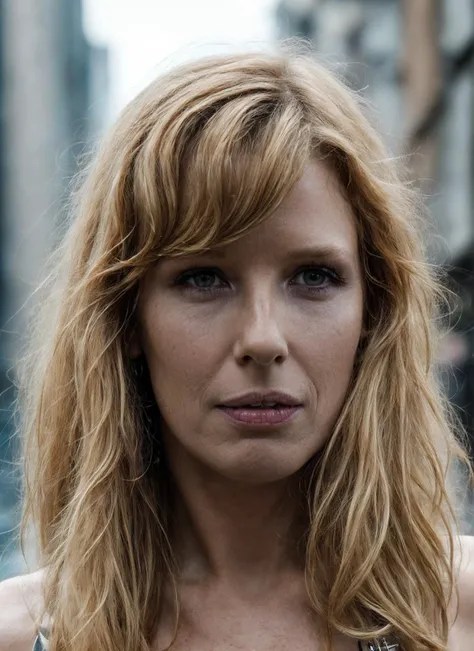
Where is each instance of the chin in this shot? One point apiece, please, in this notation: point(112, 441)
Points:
point(261, 468)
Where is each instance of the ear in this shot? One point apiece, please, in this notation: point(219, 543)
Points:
point(134, 345)
point(363, 335)
point(362, 339)
point(364, 331)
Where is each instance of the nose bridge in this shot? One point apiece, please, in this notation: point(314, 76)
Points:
point(259, 302)
point(260, 333)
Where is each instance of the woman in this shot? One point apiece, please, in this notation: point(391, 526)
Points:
point(234, 433)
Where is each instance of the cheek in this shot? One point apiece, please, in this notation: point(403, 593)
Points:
point(333, 331)
point(180, 354)
point(330, 346)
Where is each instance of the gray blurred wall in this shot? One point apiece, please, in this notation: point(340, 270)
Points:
point(54, 88)
point(366, 39)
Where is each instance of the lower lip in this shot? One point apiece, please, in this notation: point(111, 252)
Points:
point(259, 417)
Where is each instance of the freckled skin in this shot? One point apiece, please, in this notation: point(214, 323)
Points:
point(261, 329)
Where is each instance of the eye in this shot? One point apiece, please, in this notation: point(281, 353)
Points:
point(316, 278)
point(208, 280)
point(201, 280)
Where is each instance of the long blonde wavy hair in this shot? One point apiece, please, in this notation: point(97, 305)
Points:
point(205, 153)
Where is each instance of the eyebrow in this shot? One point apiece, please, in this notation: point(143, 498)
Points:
point(338, 252)
point(330, 251)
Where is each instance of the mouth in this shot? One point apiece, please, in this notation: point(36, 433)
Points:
point(261, 415)
point(261, 408)
point(262, 400)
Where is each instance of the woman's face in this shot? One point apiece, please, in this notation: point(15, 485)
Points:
point(278, 310)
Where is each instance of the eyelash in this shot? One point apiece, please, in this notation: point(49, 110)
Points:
point(331, 274)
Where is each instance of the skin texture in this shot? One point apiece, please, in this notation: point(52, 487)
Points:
point(263, 325)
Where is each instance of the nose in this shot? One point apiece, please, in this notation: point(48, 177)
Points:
point(259, 332)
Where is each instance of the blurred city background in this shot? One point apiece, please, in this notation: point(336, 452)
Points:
point(67, 67)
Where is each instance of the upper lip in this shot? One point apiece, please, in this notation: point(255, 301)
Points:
point(261, 396)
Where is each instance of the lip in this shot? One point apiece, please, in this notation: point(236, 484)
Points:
point(251, 397)
point(271, 417)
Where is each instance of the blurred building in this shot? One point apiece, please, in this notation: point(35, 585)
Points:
point(360, 39)
point(415, 62)
point(405, 56)
point(53, 96)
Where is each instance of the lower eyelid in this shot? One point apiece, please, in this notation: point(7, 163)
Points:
point(307, 289)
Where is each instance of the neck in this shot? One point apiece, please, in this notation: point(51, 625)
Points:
point(233, 532)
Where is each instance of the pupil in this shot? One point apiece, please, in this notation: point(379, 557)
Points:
point(207, 277)
point(314, 276)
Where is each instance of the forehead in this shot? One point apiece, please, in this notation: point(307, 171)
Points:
point(313, 216)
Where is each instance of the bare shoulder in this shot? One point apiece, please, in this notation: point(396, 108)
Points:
point(20, 603)
point(462, 630)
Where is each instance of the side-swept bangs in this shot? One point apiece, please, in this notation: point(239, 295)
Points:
point(213, 154)
point(222, 167)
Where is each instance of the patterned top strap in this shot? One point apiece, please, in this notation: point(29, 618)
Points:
point(382, 644)
point(41, 642)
